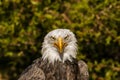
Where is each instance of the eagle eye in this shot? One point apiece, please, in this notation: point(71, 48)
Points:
point(66, 37)
point(52, 38)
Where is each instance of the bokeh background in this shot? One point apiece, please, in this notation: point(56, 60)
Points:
point(96, 24)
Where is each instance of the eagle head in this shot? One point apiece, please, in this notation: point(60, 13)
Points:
point(59, 45)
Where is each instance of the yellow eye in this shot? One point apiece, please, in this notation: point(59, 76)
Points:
point(66, 37)
point(52, 38)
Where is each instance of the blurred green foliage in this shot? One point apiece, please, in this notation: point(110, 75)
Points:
point(96, 24)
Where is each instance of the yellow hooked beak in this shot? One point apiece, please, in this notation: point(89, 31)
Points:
point(60, 44)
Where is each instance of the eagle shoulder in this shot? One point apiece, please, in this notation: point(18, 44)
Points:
point(33, 72)
point(83, 69)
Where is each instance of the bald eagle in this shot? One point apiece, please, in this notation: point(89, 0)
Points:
point(58, 61)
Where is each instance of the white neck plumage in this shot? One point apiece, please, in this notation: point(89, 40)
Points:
point(51, 54)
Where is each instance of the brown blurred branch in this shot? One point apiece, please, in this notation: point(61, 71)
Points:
point(66, 18)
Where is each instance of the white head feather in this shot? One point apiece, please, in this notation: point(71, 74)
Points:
point(50, 52)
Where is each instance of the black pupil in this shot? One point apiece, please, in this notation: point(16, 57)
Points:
point(66, 37)
point(52, 37)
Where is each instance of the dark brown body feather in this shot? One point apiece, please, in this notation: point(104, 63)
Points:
point(42, 70)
